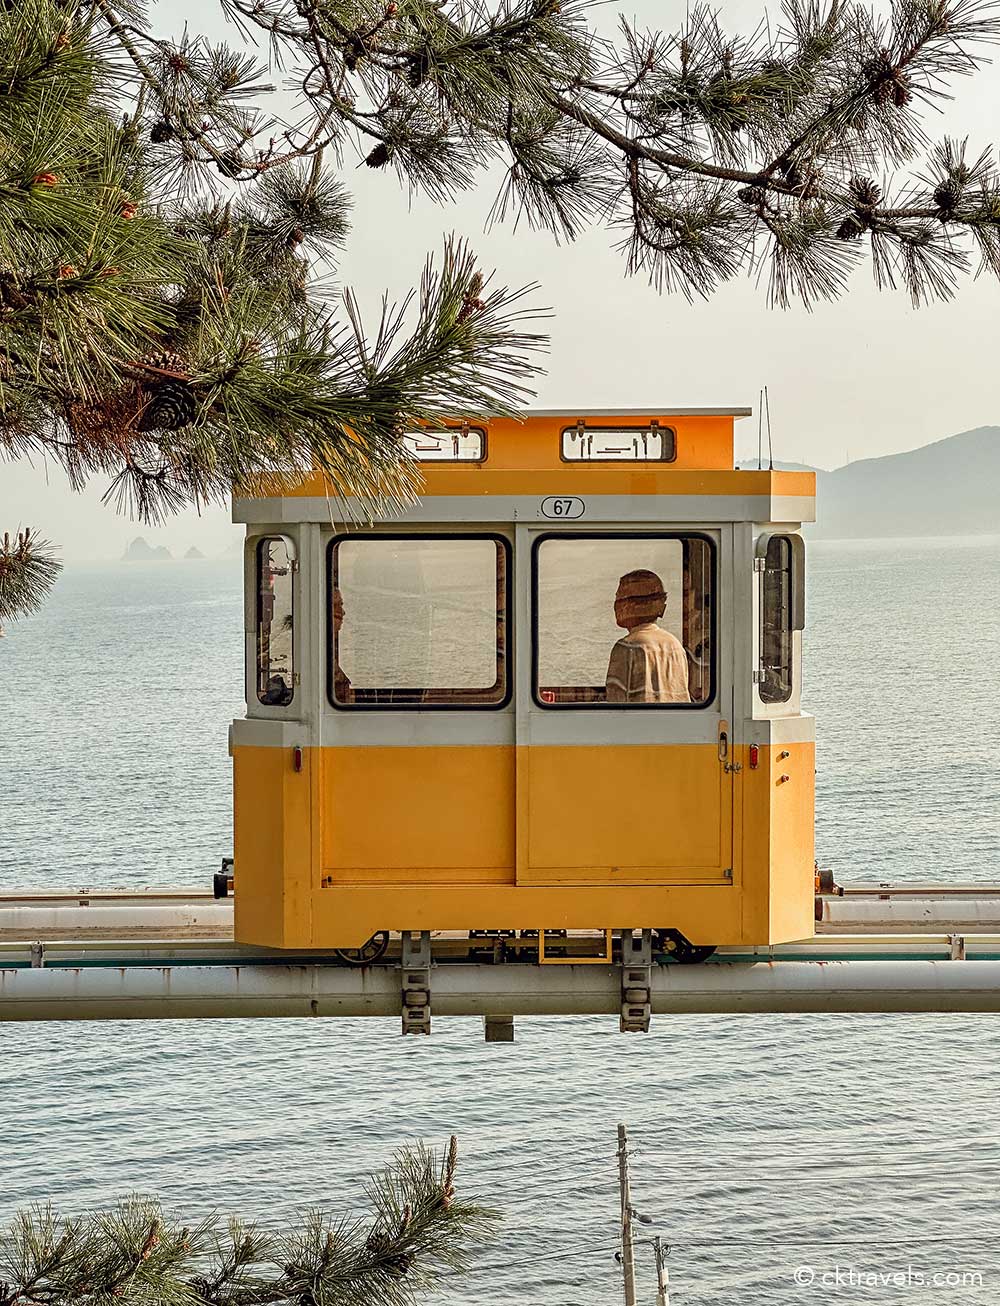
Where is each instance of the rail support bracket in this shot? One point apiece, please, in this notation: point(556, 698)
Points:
point(956, 944)
point(416, 981)
point(37, 955)
point(499, 1029)
point(637, 963)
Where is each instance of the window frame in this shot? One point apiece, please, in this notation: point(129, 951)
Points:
point(461, 428)
point(713, 697)
point(618, 462)
point(796, 608)
point(508, 554)
point(292, 554)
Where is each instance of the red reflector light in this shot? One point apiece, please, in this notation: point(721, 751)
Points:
point(297, 759)
point(754, 756)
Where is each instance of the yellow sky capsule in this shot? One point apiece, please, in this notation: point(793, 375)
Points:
point(561, 691)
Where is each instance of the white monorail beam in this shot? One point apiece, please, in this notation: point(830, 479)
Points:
point(460, 989)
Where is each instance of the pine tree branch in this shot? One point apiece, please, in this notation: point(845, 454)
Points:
point(135, 1255)
point(28, 570)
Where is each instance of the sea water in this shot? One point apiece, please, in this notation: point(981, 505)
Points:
point(785, 1159)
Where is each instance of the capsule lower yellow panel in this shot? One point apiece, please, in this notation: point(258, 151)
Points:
point(425, 839)
point(424, 815)
point(273, 825)
point(657, 814)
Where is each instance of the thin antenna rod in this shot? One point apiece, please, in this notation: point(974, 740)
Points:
point(760, 432)
point(770, 451)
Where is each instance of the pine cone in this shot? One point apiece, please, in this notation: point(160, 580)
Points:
point(901, 93)
point(171, 406)
point(850, 228)
point(354, 51)
point(419, 67)
point(947, 197)
point(471, 302)
point(10, 294)
point(230, 164)
point(379, 156)
point(160, 132)
point(752, 196)
point(164, 360)
point(865, 192)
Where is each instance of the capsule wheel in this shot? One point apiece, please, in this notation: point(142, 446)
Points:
point(370, 952)
point(680, 948)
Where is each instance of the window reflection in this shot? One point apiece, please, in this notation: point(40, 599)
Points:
point(625, 621)
point(419, 621)
point(275, 665)
point(776, 622)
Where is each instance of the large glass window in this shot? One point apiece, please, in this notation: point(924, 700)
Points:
point(781, 613)
point(419, 621)
point(624, 621)
point(275, 644)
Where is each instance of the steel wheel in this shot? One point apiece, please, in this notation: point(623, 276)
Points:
point(370, 952)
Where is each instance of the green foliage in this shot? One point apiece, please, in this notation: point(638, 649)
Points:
point(28, 570)
point(135, 1255)
point(715, 154)
point(176, 341)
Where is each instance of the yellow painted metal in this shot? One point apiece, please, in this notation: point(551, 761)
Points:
point(273, 845)
point(524, 458)
point(289, 896)
point(657, 814)
point(601, 959)
point(418, 815)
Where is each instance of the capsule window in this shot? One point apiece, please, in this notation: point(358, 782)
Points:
point(619, 444)
point(275, 625)
point(459, 444)
point(781, 613)
point(624, 621)
point(419, 621)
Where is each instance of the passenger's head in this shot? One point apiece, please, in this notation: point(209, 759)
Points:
point(338, 610)
point(641, 599)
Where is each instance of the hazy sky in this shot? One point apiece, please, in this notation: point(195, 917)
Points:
point(866, 376)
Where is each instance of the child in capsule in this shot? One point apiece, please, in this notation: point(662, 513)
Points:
point(649, 664)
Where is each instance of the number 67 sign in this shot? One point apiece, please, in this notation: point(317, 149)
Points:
point(563, 507)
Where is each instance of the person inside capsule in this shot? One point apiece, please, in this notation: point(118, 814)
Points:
point(648, 665)
point(342, 691)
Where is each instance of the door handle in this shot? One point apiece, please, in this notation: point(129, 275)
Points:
point(731, 768)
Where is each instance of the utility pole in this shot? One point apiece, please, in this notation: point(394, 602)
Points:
point(628, 1259)
point(662, 1275)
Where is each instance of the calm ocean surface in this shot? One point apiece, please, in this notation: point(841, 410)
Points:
point(763, 1143)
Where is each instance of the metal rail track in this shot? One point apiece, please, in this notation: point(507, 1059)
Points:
point(166, 954)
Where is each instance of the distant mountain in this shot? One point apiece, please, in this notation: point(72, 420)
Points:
point(951, 487)
point(140, 551)
point(194, 553)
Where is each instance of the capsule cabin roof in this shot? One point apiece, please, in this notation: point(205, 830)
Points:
point(526, 456)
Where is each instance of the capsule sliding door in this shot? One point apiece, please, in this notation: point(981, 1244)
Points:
point(624, 710)
point(417, 776)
